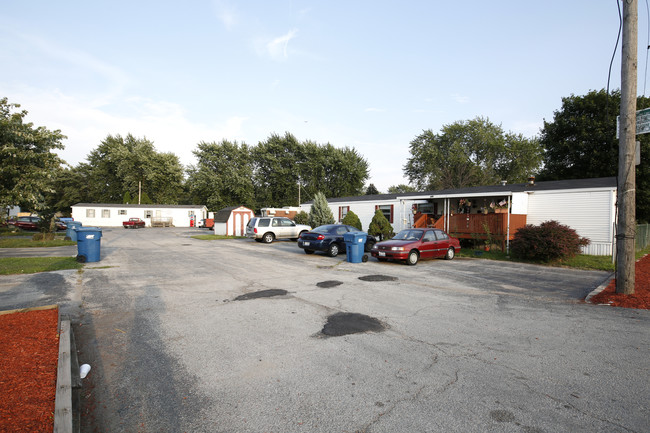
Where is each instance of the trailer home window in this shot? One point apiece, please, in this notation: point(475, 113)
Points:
point(106, 213)
point(122, 212)
point(90, 213)
point(148, 213)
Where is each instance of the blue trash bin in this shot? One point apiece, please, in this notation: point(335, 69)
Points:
point(69, 232)
point(355, 243)
point(88, 244)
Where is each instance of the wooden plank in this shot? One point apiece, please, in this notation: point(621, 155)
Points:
point(63, 401)
point(25, 310)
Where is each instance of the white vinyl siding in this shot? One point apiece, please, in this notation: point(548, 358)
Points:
point(588, 212)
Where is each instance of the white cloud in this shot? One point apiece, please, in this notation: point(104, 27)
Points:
point(226, 14)
point(86, 125)
point(277, 48)
point(460, 98)
point(374, 110)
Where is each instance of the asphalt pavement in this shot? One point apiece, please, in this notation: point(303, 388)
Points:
point(238, 336)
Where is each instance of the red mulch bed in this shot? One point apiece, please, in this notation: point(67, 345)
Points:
point(641, 296)
point(29, 352)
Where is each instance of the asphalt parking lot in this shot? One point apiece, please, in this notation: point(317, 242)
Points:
point(238, 336)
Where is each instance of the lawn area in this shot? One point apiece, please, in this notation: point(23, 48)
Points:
point(30, 265)
point(581, 261)
point(21, 242)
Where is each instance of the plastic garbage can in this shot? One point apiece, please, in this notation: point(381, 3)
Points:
point(355, 243)
point(69, 232)
point(88, 244)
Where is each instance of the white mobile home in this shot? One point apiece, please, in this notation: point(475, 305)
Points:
point(112, 215)
point(586, 205)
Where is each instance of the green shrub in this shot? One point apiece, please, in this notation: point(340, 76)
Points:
point(352, 219)
point(301, 217)
point(379, 226)
point(43, 236)
point(548, 241)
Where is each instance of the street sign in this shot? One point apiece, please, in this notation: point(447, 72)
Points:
point(642, 122)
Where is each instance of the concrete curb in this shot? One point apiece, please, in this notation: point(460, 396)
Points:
point(600, 288)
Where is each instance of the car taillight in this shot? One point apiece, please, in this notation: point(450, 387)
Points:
point(255, 230)
point(320, 237)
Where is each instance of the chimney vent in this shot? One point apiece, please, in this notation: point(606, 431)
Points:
point(531, 180)
point(503, 182)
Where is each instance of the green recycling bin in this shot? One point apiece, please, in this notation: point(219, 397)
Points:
point(88, 244)
point(355, 243)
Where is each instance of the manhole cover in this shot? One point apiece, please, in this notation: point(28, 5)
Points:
point(378, 278)
point(350, 323)
point(329, 283)
point(261, 294)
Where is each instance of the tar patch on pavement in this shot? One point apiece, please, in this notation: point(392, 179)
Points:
point(378, 278)
point(340, 324)
point(261, 294)
point(329, 283)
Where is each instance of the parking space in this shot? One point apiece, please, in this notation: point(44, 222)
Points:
point(189, 335)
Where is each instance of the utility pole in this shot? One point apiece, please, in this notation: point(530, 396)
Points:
point(626, 153)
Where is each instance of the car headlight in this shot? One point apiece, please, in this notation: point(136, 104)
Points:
point(397, 249)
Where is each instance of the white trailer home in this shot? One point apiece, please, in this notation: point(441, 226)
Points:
point(112, 215)
point(586, 205)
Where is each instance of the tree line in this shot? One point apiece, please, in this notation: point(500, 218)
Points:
point(579, 142)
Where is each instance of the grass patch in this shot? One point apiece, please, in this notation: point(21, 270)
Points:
point(9, 242)
point(581, 261)
point(215, 237)
point(31, 265)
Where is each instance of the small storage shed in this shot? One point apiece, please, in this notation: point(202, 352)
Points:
point(232, 221)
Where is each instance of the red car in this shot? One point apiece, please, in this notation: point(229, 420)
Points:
point(411, 245)
point(31, 223)
point(133, 223)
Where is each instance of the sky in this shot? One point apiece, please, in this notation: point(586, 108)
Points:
point(371, 75)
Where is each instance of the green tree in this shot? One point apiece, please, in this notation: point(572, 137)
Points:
point(223, 175)
point(580, 142)
point(121, 164)
point(379, 226)
point(281, 163)
point(352, 219)
point(127, 198)
point(471, 153)
point(372, 190)
point(320, 212)
point(29, 165)
point(401, 188)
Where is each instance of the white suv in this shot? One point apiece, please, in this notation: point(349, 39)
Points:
point(267, 229)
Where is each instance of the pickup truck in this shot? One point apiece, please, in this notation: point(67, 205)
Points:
point(133, 223)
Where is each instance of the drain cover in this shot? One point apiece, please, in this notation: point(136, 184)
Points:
point(350, 323)
point(261, 294)
point(378, 278)
point(329, 283)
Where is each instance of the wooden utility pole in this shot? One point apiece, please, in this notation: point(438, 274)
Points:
point(626, 153)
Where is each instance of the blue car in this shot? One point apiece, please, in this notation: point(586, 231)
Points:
point(329, 239)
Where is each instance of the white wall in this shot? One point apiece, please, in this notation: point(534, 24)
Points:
point(590, 213)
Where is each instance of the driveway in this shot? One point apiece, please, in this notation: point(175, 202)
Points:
point(238, 336)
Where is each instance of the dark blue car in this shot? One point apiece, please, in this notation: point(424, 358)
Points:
point(329, 239)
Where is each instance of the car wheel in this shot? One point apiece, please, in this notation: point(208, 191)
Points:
point(333, 250)
point(268, 238)
point(369, 246)
point(451, 253)
point(412, 258)
point(309, 251)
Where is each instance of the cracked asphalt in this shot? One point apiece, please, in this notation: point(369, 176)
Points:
point(465, 345)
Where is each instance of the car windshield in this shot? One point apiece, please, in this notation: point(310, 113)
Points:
point(408, 235)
